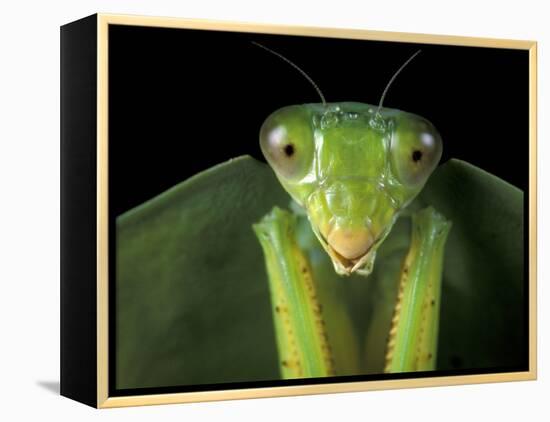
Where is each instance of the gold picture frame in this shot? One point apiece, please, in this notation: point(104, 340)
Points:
point(102, 398)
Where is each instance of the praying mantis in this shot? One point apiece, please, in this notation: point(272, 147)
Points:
point(352, 169)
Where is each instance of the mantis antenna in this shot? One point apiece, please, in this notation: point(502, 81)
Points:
point(295, 67)
point(393, 78)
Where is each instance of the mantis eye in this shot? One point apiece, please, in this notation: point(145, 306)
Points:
point(286, 142)
point(416, 149)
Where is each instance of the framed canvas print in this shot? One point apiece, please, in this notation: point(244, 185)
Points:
point(254, 210)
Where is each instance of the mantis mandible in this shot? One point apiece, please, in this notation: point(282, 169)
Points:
point(353, 168)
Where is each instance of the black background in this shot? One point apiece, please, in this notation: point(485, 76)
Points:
point(183, 100)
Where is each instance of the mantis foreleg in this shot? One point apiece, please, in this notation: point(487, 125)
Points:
point(300, 331)
point(412, 344)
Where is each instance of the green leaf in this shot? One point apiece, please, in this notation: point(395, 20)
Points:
point(483, 318)
point(193, 302)
point(192, 299)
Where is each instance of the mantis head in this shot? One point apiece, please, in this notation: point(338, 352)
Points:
point(353, 169)
point(352, 166)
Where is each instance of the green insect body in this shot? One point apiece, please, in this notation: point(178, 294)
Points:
point(353, 168)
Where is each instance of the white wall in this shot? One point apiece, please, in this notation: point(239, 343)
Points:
point(29, 207)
